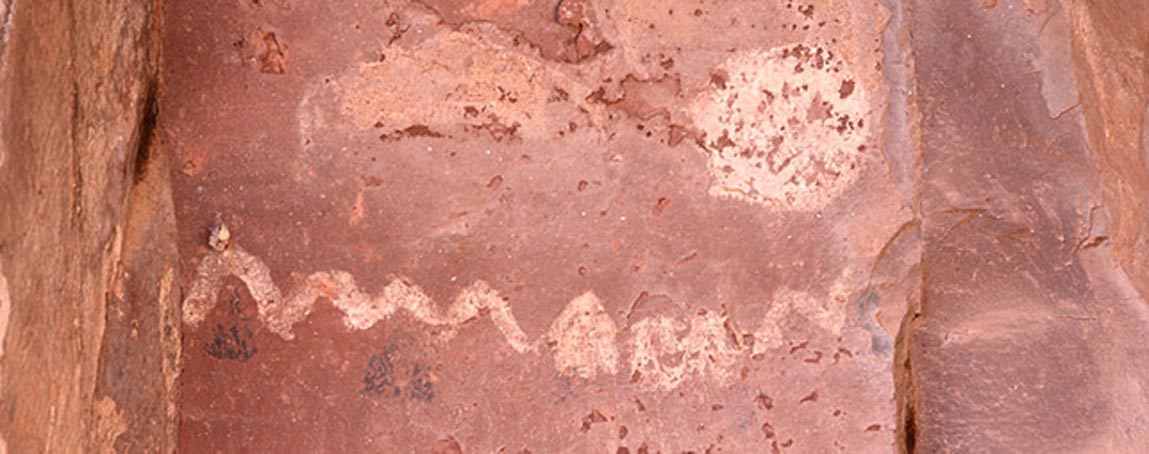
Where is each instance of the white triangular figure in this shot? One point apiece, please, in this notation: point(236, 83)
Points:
point(584, 338)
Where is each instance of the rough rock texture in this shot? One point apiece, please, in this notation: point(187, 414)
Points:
point(1031, 332)
point(661, 226)
point(86, 232)
point(506, 226)
point(574, 225)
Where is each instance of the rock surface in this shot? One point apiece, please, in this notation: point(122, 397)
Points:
point(89, 332)
point(601, 227)
point(574, 225)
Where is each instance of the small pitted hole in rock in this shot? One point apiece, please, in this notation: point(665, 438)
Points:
point(273, 60)
point(594, 417)
point(660, 205)
point(447, 446)
point(719, 78)
point(764, 401)
point(768, 430)
point(812, 397)
point(847, 89)
point(874, 428)
point(798, 347)
point(814, 359)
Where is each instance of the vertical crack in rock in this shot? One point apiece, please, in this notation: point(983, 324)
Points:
point(902, 135)
point(905, 390)
point(5, 310)
point(146, 132)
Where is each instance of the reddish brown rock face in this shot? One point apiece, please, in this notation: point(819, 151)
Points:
point(510, 226)
point(574, 226)
point(517, 226)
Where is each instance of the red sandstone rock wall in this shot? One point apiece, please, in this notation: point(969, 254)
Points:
point(586, 225)
point(87, 322)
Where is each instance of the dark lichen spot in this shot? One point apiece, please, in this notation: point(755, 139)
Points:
point(233, 337)
point(420, 386)
point(383, 372)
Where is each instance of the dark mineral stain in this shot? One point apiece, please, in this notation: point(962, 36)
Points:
point(385, 376)
point(233, 337)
